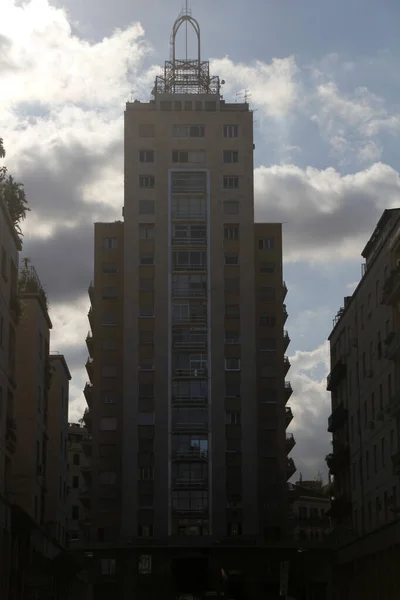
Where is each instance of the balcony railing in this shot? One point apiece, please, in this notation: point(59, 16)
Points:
point(88, 392)
point(189, 483)
point(288, 390)
point(285, 313)
point(89, 368)
point(189, 241)
point(286, 339)
point(338, 459)
point(183, 215)
point(291, 468)
point(184, 319)
point(284, 289)
point(290, 442)
point(189, 454)
point(89, 343)
point(190, 427)
point(189, 373)
point(289, 415)
point(183, 292)
point(194, 340)
point(196, 510)
point(391, 288)
point(189, 268)
point(337, 374)
point(396, 463)
point(91, 316)
point(91, 291)
point(189, 401)
point(337, 418)
point(286, 364)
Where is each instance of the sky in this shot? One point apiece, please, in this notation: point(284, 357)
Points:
point(323, 80)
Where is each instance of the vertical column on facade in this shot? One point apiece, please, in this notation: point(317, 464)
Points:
point(189, 347)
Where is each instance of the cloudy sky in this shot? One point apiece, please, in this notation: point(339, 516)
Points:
point(324, 81)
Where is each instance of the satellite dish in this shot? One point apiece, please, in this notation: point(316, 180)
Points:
point(223, 82)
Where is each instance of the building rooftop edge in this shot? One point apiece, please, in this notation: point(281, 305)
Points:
point(61, 357)
point(37, 296)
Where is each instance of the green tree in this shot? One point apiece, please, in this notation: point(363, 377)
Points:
point(12, 194)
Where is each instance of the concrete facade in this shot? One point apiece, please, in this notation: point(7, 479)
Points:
point(78, 464)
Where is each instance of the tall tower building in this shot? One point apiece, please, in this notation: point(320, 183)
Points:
point(187, 370)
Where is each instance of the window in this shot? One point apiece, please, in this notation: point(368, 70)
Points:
point(109, 242)
point(107, 566)
point(232, 337)
point(267, 267)
point(108, 345)
point(146, 311)
point(232, 311)
point(109, 292)
point(146, 130)
point(146, 390)
point(232, 417)
point(146, 367)
point(76, 459)
point(230, 131)
point(188, 131)
point(146, 473)
point(108, 424)
point(146, 258)
point(267, 320)
point(75, 482)
point(231, 207)
point(184, 156)
point(267, 243)
point(231, 232)
point(146, 418)
point(109, 268)
point(146, 156)
point(231, 259)
point(268, 344)
point(267, 293)
point(147, 181)
point(75, 513)
point(232, 364)
point(230, 182)
point(109, 398)
point(147, 207)
point(108, 319)
point(230, 156)
point(146, 337)
point(146, 232)
point(146, 284)
point(232, 285)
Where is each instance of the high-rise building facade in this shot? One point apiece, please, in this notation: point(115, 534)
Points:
point(364, 382)
point(187, 363)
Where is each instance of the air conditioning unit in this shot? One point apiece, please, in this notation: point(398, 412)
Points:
point(371, 425)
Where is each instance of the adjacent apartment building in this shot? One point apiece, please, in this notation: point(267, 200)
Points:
point(365, 386)
point(187, 364)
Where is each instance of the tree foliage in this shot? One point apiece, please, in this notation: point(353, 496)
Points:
point(12, 194)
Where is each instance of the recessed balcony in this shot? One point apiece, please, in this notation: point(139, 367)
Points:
point(84, 495)
point(189, 341)
point(189, 401)
point(288, 415)
point(288, 390)
point(189, 268)
point(88, 392)
point(188, 483)
point(189, 454)
point(286, 340)
point(286, 364)
point(337, 418)
point(189, 241)
point(291, 468)
point(89, 368)
point(89, 343)
point(190, 427)
point(86, 471)
point(337, 374)
point(184, 292)
point(190, 373)
point(188, 215)
point(391, 288)
point(189, 319)
point(86, 443)
point(290, 442)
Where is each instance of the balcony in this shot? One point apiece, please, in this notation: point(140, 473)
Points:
point(193, 511)
point(189, 401)
point(284, 290)
point(288, 390)
point(91, 317)
point(91, 291)
point(189, 268)
point(189, 319)
point(285, 313)
point(84, 495)
point(190, 427)
point(191, 341)
point(290, 468)
point(393, 408)
point(189, 241)
point(11, 434)
point(396, 463)
point(337, 374)
point(89, 368)
point(188, 483)
point(86, 471)
point(188, 215)
point(190, 454)
point(286, 364)
point(184, 292)
point(393, 345)
point(288, 415)
point(190, 373)
point(286, 340)
point(86, 443)
point(338, 460)
point(89, 343)
point(391, 288)
point(337, 418)
point(88, 392)
point(290, 442)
